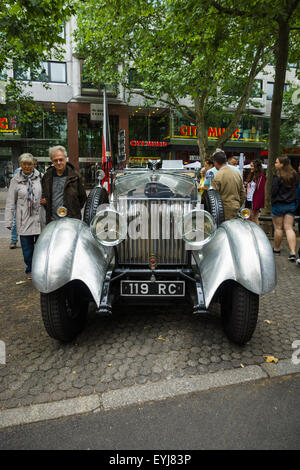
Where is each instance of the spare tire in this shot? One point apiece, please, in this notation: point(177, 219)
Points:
point(96, 197)
point(214, 205)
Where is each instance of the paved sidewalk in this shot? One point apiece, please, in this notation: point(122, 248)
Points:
point(131, 348)
point(3, 195)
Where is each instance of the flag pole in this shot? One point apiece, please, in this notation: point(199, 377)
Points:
point(106, 145)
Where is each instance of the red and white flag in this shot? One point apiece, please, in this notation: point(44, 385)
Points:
point(106, 145)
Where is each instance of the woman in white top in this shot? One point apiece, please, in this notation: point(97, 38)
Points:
point(255, 193)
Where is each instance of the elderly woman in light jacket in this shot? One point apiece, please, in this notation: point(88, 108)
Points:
point(25, 193)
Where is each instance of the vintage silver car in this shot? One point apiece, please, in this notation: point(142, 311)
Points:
point(154, 240)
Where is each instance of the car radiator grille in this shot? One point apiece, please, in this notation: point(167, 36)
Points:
point(159, 236)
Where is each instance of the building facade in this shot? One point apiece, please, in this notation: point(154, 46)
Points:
point(71, 114)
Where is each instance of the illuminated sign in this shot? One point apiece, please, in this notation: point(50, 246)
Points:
point(4, 125)
point(213, 132)
point(141, 159)
point(147, 143)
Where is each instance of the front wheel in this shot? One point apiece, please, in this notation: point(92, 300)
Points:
point(64, 312)
point(239, 310)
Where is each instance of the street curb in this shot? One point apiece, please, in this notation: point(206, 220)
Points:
point(143, 393)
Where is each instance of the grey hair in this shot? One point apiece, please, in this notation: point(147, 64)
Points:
point(53, 150)
point(26, 157)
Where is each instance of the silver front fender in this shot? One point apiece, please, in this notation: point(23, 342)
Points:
point(66, 251)
point(240, 251)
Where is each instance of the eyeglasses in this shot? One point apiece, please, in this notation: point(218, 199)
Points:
point(26, 164)
point(58, 160)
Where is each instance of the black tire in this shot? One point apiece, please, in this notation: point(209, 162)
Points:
point(214, 205)
point(64, 312)
point(96, 197)
point(239, 310)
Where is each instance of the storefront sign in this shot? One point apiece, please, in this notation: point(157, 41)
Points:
point(147, 143)
point(213, 132)
point(96, 111)
point(141, 159)
point(3, 124)
point(8, 127)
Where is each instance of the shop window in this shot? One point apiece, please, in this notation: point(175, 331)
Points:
point(270, 89)
point(57, 72)
point(149, 127)
point(90, 145)
point(53, 72)
point(49, 126)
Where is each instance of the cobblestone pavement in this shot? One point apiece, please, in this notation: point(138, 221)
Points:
point(136, 346)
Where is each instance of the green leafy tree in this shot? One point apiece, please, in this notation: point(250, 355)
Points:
point(186, 55)
point(280, 18)
point(30, 29)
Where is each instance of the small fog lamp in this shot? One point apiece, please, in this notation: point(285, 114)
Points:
point(62, 211)
point(245, 213)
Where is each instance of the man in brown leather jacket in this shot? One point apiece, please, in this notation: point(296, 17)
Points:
point(228, 182)
point(61, 186)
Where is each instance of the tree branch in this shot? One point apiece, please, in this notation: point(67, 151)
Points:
point(173, 104)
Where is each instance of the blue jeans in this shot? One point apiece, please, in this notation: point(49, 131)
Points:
point(13, 233)
point(27, 244)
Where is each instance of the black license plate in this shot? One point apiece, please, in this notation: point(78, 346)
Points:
point(153, 289)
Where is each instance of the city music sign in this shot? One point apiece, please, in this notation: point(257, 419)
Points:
point(213, 132)
point(147, 143)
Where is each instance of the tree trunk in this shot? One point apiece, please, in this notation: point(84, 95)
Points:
point(243, 100)
point(281, 57)
point(202, 138)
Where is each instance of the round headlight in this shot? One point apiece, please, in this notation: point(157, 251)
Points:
point(245, 213)
point(109, 227)
point(197, 228)
point(62, 211)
